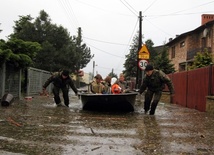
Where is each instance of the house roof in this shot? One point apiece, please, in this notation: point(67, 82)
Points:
point(198, 29)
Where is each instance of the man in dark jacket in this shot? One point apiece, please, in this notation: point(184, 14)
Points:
point(154, 82)
point(61, 81)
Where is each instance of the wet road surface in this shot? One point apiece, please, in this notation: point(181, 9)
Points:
point(38, 127)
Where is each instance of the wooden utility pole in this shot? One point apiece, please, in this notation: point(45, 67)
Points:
point(139, 47)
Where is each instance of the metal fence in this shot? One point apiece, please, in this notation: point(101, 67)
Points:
point(35, 80)
point(10, 80)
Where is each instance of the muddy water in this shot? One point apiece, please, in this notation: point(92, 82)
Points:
point(39, 127)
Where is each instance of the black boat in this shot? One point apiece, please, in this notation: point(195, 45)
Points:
point(109, 102)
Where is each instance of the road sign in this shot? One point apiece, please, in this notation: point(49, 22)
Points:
point(142, 64)
point(143, 53)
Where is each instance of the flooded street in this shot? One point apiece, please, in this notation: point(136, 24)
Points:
point(38, 127)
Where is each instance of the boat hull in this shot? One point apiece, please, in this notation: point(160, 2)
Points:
point(108, 102)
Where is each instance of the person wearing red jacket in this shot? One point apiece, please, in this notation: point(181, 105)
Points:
point(115, 88)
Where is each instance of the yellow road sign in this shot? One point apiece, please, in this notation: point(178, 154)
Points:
point(143, 53)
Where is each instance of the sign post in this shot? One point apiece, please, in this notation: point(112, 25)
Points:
point(143, 57)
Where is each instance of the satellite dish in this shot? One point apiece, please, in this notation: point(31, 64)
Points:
point(205, 32)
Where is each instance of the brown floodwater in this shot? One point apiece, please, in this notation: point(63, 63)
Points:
point(37, 127)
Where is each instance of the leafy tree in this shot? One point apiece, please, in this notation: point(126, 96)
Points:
point(59, 50)
point(202, 60)
point(163, 63)
point(18, 53)
point(149, 44)
point(83, 53)
point(112, 74)
point(158, 58)
point(130, 64)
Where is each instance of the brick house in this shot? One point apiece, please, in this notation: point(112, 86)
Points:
point(184, 47)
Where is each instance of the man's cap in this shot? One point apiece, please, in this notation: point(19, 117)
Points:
point(98, 76)
point(65, 72)
point(149, 68)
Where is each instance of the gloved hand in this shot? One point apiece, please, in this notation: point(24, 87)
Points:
point(77, 94)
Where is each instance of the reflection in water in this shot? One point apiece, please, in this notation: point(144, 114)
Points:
point(149, 133)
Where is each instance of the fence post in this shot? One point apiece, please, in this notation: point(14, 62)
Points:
point(3, 79)
point(20, 84)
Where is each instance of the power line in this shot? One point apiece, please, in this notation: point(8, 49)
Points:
point(176, 13)
point(193, 7)
point(133, 11)
point(130, 6)
point(150, 6)
point(72, 12)
point(129, 42)
point(105, 10)
point(68, 13)
point(158, 27)
point(105, 41)
point(104, 51)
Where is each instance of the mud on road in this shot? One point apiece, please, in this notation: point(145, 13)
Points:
point(38, 127)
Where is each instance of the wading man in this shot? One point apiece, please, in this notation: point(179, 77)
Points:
point(154, 82)
point(61, 81)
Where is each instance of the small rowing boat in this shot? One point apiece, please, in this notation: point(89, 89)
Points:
point(108, 102)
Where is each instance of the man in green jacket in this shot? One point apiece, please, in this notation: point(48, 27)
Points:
point(62, 81)
point(154, 82)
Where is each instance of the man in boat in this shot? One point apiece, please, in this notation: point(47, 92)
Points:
point(123, 84)
point(96, 86)
point(61, 81)
point(107, 84)
point(154, 82)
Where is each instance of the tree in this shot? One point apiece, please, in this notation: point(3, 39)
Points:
point(149, 44)
point(202, 60)
point(130, 64)
point(112, 74)
point(158, 58)
point(163, 63)
point(83, 53)
point(59, 50)
point(18, 53)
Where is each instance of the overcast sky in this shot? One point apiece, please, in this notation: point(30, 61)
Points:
point(108, 26)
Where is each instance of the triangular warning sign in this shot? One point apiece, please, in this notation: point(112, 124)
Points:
point(143, 53)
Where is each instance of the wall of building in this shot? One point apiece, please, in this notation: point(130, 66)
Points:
point(192, 43)
point(180, 52)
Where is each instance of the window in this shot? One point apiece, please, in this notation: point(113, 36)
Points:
point(173, 52)
point(182, 44)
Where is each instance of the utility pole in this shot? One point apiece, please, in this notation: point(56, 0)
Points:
point(93, 69)
point(139, 47)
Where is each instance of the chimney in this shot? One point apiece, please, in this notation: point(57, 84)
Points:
point(206, 18)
